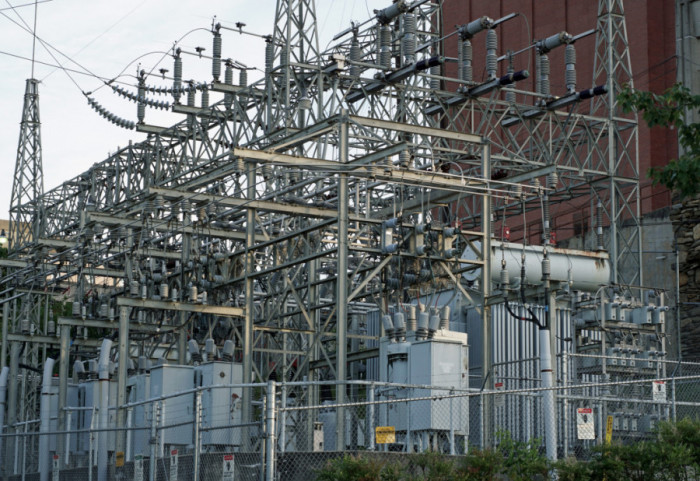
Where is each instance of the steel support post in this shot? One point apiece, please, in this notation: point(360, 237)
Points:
point(487, 334)
point(547, 373)
point(155, 416)
point(63, 362)
point(270, 445)
point(342, 288)
point(5, 328)
point(182, 340)
point(12, 388)
point(121, 376)
point(246, 408)
point(197, 434)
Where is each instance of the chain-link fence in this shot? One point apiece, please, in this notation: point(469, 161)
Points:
point(293, 429)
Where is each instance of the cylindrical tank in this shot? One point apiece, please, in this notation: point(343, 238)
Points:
point(582, 270)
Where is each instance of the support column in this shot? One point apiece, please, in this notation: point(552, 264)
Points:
point(546, 367)
point(246, 408)
point(5, 324)
point(121, 376)
point(342, 288)
point(63, 362)
point(487, 334)
point(12, 387)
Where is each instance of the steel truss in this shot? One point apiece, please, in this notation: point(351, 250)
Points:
point(282, 213)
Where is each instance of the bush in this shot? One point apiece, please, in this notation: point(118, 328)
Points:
point(673, 455)
point(350, 468)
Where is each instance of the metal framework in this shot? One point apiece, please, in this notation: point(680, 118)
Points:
point(28, 184)
point(282, 213)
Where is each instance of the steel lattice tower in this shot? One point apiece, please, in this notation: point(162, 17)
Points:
point(289, 52)
point(612, 67)
point(283, 215)
point(28, 184)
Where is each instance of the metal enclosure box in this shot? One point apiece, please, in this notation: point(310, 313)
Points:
point(441, 361)
point(168, 380)
point(139, 389)
point(221, 406)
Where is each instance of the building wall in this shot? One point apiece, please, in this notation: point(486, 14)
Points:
point(686, 215)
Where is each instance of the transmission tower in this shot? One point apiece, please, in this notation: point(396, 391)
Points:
point(290, 53)
point(612, 67)
point(28, 184)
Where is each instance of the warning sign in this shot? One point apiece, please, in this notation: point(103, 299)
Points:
point(385, 434)
point(173, 465)
point(119, 459)
point(499, 399)
point(55, 473)
point(138, 467)
point(228, 468)
point(585, 426)
point(658, 391)
point(608, 430)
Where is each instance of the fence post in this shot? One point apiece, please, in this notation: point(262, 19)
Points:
point(370, 416)
point(197, 434)
point(91, 441)
point(565, 400)
point(452, 427)
point(283, 418)
point(270, 412)
point(673, 396)
point(155, 414)
point(69, 423)
point(482, 434)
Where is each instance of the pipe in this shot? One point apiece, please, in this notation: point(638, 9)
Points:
point(546, 327)
point(4, 374)
point(45, 417)
point(102, 441)
point(270, 410)
point(63, 361)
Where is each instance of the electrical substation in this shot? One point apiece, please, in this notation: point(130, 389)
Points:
point(322, 259)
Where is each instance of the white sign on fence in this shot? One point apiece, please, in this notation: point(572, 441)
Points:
point(138, 467)
point(585, 425)
point(55, 473)
point(173, 465)
point(499, 399)
point(228, 468)
point(658, 391)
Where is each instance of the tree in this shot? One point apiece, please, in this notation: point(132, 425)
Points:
point(669, 110)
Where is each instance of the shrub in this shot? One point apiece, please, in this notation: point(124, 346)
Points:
point(350, 468)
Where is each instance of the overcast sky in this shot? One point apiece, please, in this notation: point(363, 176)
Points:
point(105, 37)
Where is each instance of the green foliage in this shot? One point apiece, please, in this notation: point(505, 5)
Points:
point(668, 110)
point(350, 468)
point(673, 455)
point(571, 469)
point(435, 467)
point(481, 465)
point(522, 461)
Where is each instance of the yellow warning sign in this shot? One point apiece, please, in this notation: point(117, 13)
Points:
point(120, 459)
point(608, 430)
point(385, 434)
